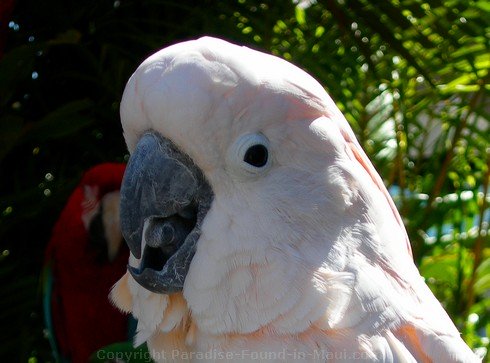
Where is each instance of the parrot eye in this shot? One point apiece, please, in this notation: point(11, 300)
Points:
point(256, 155)
point(249, 156)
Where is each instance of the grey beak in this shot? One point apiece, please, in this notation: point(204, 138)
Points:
point(164, 199)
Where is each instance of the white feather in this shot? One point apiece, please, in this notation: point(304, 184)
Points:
point(306, 259)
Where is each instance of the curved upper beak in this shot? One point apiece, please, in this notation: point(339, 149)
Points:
point(164, 199)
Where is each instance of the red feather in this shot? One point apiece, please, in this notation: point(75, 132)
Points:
point(83, 318)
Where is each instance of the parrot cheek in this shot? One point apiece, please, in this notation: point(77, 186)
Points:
point(164, 199)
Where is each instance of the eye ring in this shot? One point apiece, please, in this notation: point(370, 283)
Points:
point(249, 155)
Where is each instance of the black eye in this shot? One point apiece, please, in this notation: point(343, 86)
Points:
point(256, 155)
point(248, 157)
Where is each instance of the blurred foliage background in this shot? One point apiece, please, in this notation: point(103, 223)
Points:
point(411, 76)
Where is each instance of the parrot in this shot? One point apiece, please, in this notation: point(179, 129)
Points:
point(258, 228)
point(84, 257)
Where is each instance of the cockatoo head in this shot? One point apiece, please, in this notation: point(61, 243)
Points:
point(255, 220)
point(242, 181)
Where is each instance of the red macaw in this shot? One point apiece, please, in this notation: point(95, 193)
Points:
point(84, 258)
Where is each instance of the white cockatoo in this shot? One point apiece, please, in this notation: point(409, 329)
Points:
point(258, 228)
